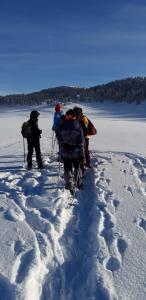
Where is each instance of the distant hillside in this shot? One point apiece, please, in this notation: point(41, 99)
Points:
point(129, 90)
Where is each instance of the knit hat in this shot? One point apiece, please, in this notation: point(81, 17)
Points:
point(70, 112)
point(78, 111)
point(34, 114)
point(58, 107)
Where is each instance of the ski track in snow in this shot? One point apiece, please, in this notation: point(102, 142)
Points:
point(78, 250)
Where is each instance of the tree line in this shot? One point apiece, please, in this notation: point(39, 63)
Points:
point(127, 90)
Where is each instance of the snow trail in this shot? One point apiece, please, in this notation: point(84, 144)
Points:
point(74, 247)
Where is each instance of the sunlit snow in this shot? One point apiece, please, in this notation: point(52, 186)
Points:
point(90, 246)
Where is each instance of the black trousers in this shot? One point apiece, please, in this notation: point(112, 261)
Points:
point(73, 172)
point(70, 163)
point(87, 154)
point(34, 144)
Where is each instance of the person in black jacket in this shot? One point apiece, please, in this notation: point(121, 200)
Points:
point(34, 140)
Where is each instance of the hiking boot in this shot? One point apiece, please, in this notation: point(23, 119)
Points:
point(59, 159)
point(68, 179)
point(29, 167)
point(67, 187)
point(79, 185)
point(72, 192)
point(40, 166)
point(88, 166)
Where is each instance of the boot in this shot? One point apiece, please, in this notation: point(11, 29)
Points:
point(78, 177)
point(69, 181)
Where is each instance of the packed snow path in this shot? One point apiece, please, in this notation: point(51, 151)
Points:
point(89, 246)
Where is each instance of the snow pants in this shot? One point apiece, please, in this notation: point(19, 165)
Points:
point(87, 154)
point(34, 144)
point(72, 172)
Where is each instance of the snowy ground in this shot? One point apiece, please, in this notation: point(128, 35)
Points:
point(90, 246)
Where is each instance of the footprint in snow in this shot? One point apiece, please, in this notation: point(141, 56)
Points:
point(42, 243)
point(19, 247)
point(129, 189)
point(107, 232)
point(122, 246)
point(14, 215)
point(108, 196)
point(113, 264)
point(142, 224)
point(47, 214)
point(25, 264)
point(108, 180)
point(7, 290)
point(116, 203)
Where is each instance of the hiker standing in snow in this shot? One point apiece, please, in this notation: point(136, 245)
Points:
point(58, 116)
point(71, 149)
point(33, 141)
point(83, 120)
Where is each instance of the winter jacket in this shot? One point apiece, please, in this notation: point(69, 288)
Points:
point(71, 139)
point(58, 116)
point(84, 124)
point(35, 131)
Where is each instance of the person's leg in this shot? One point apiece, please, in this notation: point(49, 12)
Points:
point(87, 154)
point(77, 171)
point(38, 153)
point(57, 132)
point(68, 173)
point(29, 155)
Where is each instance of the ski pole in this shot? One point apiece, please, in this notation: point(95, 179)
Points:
point(24, 148)
point(52, 138)
point(59, 170)
point(53, 143)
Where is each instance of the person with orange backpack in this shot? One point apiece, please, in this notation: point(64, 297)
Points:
point(88, 130)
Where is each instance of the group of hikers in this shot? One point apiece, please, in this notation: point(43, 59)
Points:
point(72, 133)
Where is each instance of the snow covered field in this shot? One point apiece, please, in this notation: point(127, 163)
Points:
point(90, 246)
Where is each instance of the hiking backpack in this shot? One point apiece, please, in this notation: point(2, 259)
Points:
point(91, 130)
point(26, 130)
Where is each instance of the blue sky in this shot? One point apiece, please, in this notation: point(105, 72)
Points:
point(48, 43)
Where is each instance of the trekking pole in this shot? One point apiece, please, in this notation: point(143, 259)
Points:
point(52, 138)
point(24, 148)
point(59, 171)
point(53, 143)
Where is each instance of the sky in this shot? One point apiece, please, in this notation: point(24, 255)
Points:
point(48, 43)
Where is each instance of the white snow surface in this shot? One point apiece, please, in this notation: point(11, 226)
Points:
point(90, 246)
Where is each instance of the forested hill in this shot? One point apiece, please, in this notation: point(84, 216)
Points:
point(128, 90)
